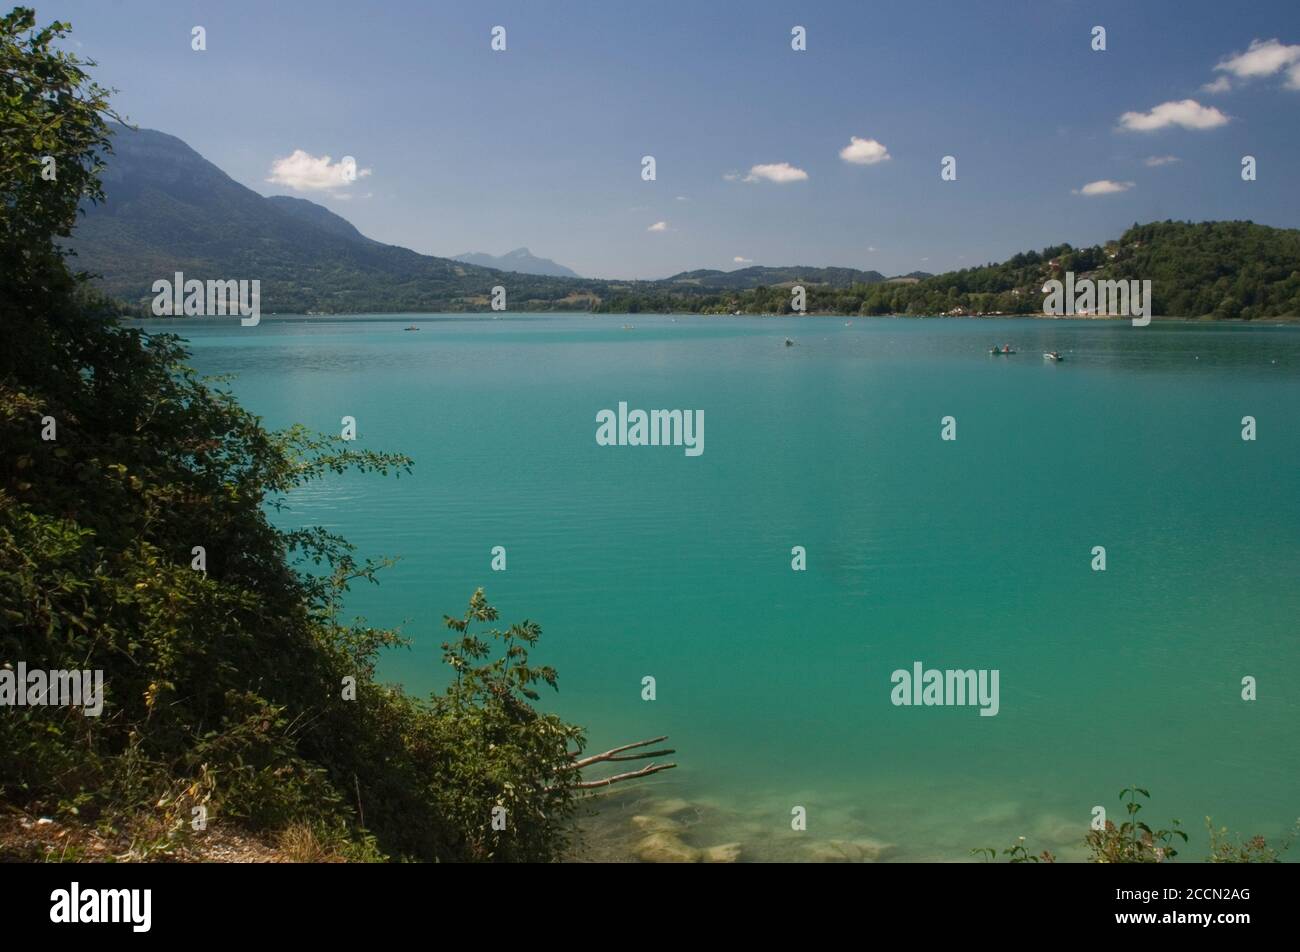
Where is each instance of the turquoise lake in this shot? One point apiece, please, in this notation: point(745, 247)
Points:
point(774, 685)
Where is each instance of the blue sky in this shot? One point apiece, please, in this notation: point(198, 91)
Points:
point(466, 149)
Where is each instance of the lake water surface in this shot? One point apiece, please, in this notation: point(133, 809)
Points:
point(775, 685)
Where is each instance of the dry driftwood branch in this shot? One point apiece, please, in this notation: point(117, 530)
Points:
point(613, 754)
point(645, 771)
point(616, 754)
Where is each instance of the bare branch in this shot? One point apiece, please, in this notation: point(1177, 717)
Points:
point(645, 771)
point(662, 752)
point(609, 754)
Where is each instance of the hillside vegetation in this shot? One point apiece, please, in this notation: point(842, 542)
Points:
point(1230, 269)
point(134, 542)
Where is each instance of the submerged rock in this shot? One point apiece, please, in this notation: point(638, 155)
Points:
point(874, 850)
point(722, 853)
point(656, 824)
point(863, 850)
point(666, 848)
point(673, 806)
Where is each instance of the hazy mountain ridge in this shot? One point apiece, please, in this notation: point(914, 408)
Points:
point(521, 261)
point(759, 275)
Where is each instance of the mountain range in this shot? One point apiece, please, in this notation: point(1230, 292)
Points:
point(168, 209)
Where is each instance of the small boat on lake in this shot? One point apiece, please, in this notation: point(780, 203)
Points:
point(1004, 349)
point(1053, 355)
point(789, 342)
point(411, 328)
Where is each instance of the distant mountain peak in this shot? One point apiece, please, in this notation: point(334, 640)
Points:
point(521, 260)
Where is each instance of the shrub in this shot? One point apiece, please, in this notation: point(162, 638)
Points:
point(224, 681)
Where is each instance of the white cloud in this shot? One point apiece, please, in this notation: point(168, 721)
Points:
point(1103, 187)
point(1293, 77)
point(682, 198)
point(658, 226)
point(779, 172)
point(1187, 113)
point(864, 151)
point(1263, 58)
point(1155, 161)
point(731, 176)
point(305, 172)
point(739, 260)
point(1220, 85)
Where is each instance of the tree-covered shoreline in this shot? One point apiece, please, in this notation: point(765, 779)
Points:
point(1217, 270)
point(1226, 270)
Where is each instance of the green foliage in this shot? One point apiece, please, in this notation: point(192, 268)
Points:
point(224, 687)
point(49, 109)
point(1017, 852)
point(520, 759)
point(1224, 848)
point(1226, 269)
point(1133, 841)
point(1230, 269)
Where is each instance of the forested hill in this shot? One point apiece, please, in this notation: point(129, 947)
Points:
point(168, 209)
point(1229, 269)
point(1224, 270)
